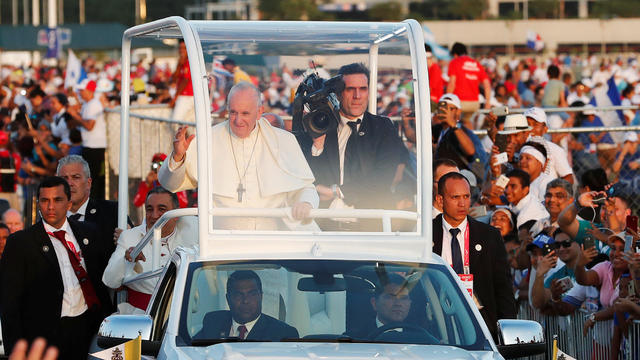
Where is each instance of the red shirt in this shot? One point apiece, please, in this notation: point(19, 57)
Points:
point(469, 75)
point(436, 84)
point(185, 74)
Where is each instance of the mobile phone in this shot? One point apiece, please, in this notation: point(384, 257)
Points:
point(547, 249)
point(501, 158)
point(502, 181)
point(628, 242)
point(501, 142)
point(566, 283)
point(478, 211)
point(589, 242)
point(632, 288)
point(442, 106)
point(500, 111)
point(632, 223)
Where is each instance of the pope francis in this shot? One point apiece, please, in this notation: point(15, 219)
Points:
point(254, 165)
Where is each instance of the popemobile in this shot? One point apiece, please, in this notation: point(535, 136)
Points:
point(275, 273)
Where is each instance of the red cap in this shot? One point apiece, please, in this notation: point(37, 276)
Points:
point(157, 157)
point(4, 138)
point(87, 84)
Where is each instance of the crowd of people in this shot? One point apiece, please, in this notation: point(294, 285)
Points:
point(546, 216)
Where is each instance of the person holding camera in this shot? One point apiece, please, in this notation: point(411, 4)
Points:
point(355, 162)
point(151, 181)
point(453, 142)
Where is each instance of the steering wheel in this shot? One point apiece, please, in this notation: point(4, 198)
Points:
point(377, 333)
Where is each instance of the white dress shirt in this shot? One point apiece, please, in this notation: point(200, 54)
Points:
point(446, 239)
point(529, 208)
point(538, 186)
point(233, 332)
point(59, 127)
point(82, 210)
point(344, 132)
point(73, 303)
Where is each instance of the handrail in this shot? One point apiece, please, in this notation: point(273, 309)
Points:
point(569, 109)
point(143, 276)
point(384, 215)
point(156, 231)
point(588, 129)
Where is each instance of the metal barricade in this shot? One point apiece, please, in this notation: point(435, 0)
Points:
point(569, 329)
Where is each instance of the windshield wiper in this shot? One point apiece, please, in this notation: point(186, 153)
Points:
point(207, 342)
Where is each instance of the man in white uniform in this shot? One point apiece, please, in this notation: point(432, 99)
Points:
point(182, 231)
point(254, 166)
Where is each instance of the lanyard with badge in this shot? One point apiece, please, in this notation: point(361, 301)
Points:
point(466, 277)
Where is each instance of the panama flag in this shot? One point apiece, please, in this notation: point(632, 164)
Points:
point(74, 73)
point(130, 350)
point(608, 95)
point(534, 41)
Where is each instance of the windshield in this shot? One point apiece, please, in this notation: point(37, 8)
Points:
point(328, 301)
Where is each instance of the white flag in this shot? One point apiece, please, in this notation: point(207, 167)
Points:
point(75, 72)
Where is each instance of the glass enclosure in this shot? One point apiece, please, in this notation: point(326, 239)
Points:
point(277, 57)
point(328, 301)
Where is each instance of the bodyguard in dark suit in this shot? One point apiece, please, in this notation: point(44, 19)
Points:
point(103, 213)
point(357, 161)
point(244, 319)
point(487, 254)
point(50, 278)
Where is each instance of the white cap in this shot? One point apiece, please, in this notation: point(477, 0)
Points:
point(470, 177)
point(589, 110)
point(515, 123)
point(587, 82)
point(630, 136)
point(451, 99)
point(536, 114)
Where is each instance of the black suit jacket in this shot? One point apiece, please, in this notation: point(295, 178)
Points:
point(217, 324)
point(491, 276)
point(371, 159)
point(31, 286)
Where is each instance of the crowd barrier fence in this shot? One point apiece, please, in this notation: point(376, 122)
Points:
point(569, 329)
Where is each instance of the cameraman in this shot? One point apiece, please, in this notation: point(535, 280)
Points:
point(355, 164)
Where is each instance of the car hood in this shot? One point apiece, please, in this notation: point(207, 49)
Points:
point(266, 351)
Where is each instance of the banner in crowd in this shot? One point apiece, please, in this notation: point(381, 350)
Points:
point(74, 73)
point(608, 95)
point(130, 350)
point(534, 41)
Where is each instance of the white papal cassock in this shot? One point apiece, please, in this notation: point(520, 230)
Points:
point(277, 175)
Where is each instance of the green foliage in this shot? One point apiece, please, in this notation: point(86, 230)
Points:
point(543, 9)
point(290, 10)
point(615, 8)
point(390, 11)
point(449, 9)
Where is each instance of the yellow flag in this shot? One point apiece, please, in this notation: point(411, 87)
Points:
point(130, 350)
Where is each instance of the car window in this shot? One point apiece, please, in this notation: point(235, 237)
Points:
point(328, 301)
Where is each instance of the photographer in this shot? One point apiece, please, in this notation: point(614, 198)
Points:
point(151, 181)
point(355, 162)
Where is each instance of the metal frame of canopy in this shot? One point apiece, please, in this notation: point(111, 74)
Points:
point(177, 27)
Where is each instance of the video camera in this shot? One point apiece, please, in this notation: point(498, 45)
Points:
point(319, 98)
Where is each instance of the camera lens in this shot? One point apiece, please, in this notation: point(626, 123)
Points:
point(321, 121)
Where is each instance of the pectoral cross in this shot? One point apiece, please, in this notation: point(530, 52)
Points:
point(240, 190)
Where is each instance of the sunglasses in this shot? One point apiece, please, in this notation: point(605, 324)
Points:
point(564, 244)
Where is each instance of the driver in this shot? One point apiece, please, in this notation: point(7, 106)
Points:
point(244, 319)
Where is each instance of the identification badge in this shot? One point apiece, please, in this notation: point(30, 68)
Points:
point(467, 282)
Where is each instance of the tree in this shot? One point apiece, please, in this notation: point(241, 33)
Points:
point(468, 9)
point(290, 10)
point(543, 9)
point(391, 11)
point(616, 8)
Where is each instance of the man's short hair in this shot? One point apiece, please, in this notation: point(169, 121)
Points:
point(36, 92)
point(443, 162)
point(354, 68)
point(62, 99)
point(452, 175)
point(4, 226)
point(54, 181)
point(458, 49)
point(228, 61)
point(561, 183)
point(391, 278)
point(243, 85)
point(161, 190)
point(241, 275)
point(595, 179)
point(553, 71)
point(523, 176)
point(74, 159)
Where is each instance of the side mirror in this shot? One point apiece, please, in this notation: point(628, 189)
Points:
point(520, 338)
point(117, 329)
